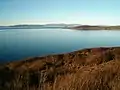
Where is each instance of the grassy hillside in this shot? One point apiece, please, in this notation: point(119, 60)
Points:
point(88, 69)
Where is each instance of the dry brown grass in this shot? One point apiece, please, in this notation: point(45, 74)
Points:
point(98, 77)
point(90, 69)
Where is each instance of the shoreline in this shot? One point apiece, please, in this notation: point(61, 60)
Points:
point(55, 54)
point(82, 66)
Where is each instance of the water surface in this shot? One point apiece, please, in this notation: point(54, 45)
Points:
point(18, 44)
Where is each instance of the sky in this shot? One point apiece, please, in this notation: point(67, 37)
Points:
point(90, 12)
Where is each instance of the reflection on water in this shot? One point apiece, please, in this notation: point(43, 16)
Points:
point(23, 43)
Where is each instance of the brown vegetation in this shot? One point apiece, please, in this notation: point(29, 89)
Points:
point(89, 69)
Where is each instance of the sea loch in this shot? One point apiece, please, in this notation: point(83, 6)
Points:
point(16, 44)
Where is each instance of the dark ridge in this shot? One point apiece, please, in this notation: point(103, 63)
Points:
point(89, 27)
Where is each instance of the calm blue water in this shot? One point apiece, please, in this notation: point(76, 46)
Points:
point(23, 43)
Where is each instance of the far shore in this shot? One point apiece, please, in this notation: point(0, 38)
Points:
point(88, 27)
point(63, 26)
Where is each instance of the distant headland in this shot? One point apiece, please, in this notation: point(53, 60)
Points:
point(89, 27)
point(63, 26)
point(25, 26)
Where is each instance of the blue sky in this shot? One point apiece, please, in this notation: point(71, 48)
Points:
point(94, 12)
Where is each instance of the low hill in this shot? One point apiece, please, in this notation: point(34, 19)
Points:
point(24, 26)
point(88, 27)
point(88, 69)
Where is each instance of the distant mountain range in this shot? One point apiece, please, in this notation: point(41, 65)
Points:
point(63, 26)
point(39, 26)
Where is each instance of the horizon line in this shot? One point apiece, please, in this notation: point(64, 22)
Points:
point(62, 23)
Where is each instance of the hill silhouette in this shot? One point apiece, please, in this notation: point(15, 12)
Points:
point(90, 27)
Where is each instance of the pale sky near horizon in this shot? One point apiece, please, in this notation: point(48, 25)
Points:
point(92, 12)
